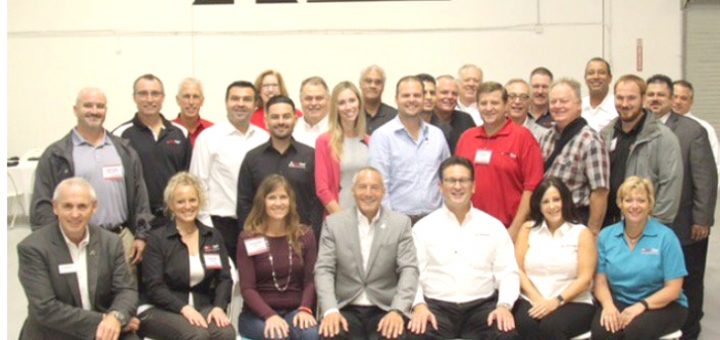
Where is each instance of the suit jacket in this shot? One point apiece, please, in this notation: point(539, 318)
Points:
point(54, 305)
point(700, 179)
point(391, 278)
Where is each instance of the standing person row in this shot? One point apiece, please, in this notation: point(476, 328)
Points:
point(269, 84)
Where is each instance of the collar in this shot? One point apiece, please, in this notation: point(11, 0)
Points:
point(318, 125)
point(79, 140)
point(651, 228)
point(82, 243)
point(664, 118)
point(635, 130)
point(450, 215)
point(397, 125)
point(361, 216)
point(504, 130)
point(560, 230)
point(268, 147)
point(136, 121)
point(172, 232)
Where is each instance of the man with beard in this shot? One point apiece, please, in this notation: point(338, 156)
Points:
point(372, 84)
point(314, 99)
point(518, 92)
point(540, 80)
point(284, 156)
point(217, 156)
point(451, 121)
point(469, 79)
point(599, 107)
point(190, 99)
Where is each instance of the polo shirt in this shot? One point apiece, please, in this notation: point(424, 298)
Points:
point(297, 165)
point(385, 114)
point(202, 125)
point(515, 165)
point(545, 120)
point(637, 274)
point(459, 123)
point(161, 157)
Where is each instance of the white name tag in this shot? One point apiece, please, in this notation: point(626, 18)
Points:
point(112, 172)
point(256, 246)
point(212, 261)
point(613, 144)
point(67, 268)
point(483, 156)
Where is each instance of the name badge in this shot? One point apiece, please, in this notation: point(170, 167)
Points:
point(112, 172)
point(296, 165)
point(67, 268)
point(256, 246)
point(483, 156)
point(650, 251)
point(613, 144)
point(212, 261)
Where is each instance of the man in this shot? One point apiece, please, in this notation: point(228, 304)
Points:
point(372, 84)
point(697, 199)
point(451, 121)
point(640, 145)
point(407, 152)
point(163, 146)
point(77, 283)
point(518, 92)
point(598, 108)
point(366, 271)
point(469, 78)
point(506, 159)
point(463, 255)
point(217, 157)
point(429, 98)
point(109, 164)
point(284, 156)
point(540, 80)
point(314, 99)
point(190, 99)
point(574, 152)
point(683, 99)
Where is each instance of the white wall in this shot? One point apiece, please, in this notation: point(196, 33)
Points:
point(54, 51)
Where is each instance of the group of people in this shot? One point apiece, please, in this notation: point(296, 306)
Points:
point(362, 209)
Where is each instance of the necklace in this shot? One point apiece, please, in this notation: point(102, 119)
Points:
point(272, 268)
point(633, 239)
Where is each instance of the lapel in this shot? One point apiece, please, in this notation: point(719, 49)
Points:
point(92, 258)
point(672, 121)
point(380, 232)
point(62, 254)
point(354, 234)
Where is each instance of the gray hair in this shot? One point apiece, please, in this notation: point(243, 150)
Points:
point(74, 181)
point(191, 80)
point(372, 68)
point(572, 83)
point(370, 169)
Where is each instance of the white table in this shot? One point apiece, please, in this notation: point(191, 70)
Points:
point(20, 181)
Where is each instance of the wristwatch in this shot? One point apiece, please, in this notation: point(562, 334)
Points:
point(120, 317)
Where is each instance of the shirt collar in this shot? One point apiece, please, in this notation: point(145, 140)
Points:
point(560, 230)
point(651, 229)
point(79, 140)
point(450, 215)
point(361, 217)
point(82, 243)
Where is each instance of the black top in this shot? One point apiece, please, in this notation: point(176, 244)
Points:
point(166, 270)
point(385, 114)
point(297, 164)
point(160, 159)
point(459, 122)
point(545, 120)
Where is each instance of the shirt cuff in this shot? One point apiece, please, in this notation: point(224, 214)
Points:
point(331, 310)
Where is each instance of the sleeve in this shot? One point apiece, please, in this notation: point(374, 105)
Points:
point(153, 272)
point(407, 269)
point(422, 259)
point(41, 211)
point(673, 260)
point(309, 258)
point(597, 164)
point(124, 286)
point(323, 168)
point(532, 168)
point(602, 256)
point(187, 153)
point(505, 268)
point(248, 283)
point(670, 178)
point(379, 151)
point(325, 267)
point(143, 217)
point(224, 283)
point(245, 191)
point(317, 209)
point(43, 305)
point(200, 167)
point(704, 179)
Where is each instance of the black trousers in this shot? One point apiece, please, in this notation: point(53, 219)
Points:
point(651, 324)
point(566, 322)
point(228, 228)
point(693, 286)
point(363, 323)
point(465, 320)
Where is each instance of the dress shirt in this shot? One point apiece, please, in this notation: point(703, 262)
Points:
point(216, 160)
point(366, 230)
point(712, 135)
point(201, 126)
point(472, 110)
point(465, 261)
point(552, 258)
point(600, 116)
point(307, 134)
point(78, 253)
point(409, 167)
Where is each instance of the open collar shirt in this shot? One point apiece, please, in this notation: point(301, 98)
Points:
point(600, 116)
point(307, 134)
point(78, 254)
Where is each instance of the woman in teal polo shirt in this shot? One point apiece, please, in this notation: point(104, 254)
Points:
point(640, 271)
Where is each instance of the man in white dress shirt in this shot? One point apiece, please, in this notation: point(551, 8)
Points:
point(314, 99)
point(598, 108)
point(469, 278)
point(218, 154)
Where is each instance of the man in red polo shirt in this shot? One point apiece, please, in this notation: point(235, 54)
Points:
point(507, 160)
point(190, 99)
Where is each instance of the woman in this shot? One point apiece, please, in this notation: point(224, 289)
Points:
point(556, 259)
point(640, 271)
point(343, 150)
point(276, 256)
point(269, 84)
point(185, 271)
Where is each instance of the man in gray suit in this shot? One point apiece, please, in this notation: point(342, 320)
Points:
point(697, 198)
point(75, 277)
point(366, 272)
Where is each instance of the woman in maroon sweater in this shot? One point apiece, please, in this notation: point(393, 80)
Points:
point(275, 257)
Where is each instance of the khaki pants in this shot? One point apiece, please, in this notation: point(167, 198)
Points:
point(127, 238)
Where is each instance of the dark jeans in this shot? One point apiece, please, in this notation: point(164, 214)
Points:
point(465, 320)
point(228, 228)
point(693, 286)
point(650, 324)
point(252, 326)
point(158, 323)
point(566, 322)
point(363, 323)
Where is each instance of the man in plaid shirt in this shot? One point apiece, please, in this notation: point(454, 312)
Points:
point(574, 152)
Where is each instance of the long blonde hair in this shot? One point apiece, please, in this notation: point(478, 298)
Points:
point(337, 137)
point(256, 222)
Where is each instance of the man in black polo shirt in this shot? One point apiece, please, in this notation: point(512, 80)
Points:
point(452, 122)
point(163, 146)
point(284, 156)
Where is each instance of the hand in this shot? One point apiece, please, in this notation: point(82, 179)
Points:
point(193, 316)
point(132, 326)
point(108, 328)
point(505, 320)
point(610, 319)
point(391, 325)
point(421, 315)
point(330, 325)
point(138, 247)
point(276, 328)
point(218, 315)
point(629, 313)
point(699, 232)
point(304, 320)
point(543, 308)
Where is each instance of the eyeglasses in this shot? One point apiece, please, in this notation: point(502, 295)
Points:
point(270, 86)
point(154, 94)
point(513, 96)
point(454, 181)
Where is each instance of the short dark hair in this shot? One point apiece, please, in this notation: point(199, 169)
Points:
point(599, 59)
point(424, 77)
point(491, 86)
point(542, 70)
point(568, 207)
point(241, 83)
point(455, 160)
point(280, 99)
point(661, 79)
point(408, 79)
point(684, 83)
point(148, 76)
